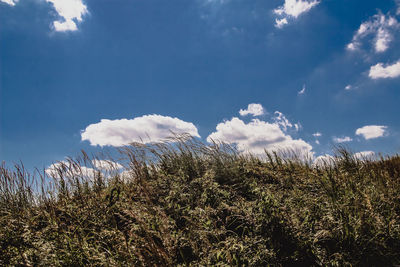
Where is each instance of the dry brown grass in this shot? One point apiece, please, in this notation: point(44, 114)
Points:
point(191, 204)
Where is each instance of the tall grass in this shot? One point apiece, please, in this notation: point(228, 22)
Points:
point(186, 203)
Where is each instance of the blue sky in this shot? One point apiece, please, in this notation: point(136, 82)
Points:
point(95, 74)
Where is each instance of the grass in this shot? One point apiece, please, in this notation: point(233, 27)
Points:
point(191, 204)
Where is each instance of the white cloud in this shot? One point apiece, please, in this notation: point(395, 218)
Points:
point(328, 160)
point(317, 134)
point(351, 46)
point(383, 38)
point(71, 12)
point(68, 170)
point(293, 9)
point(302, 91)
point(381, 71)
point(364, 155)
point(216, 1)
point(253, 109)
point(342, 139)
point(68, 25)
point(324, 160)
point(281, 120)
point(371, 131)
point(381, 27)
point(398, 7)
point(257, 137)
point(126, 176)
point(106, 165)
point(279, 23)
point(10, 2)
point(148, 128)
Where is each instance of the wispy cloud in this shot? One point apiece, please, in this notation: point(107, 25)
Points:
point(302, 91)
point(281, 120)
point(371, 131)
point(381, 71)
point(381, 27)
point(279, 23)
point(217, 1)
point(342, 139)
point(71, 12)
point(398, 7)
point(292, 9)
point(317, 134)
point(149, 128)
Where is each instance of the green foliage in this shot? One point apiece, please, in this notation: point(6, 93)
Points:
point(190, 204)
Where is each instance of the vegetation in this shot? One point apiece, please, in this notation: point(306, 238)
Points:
point(190, 204)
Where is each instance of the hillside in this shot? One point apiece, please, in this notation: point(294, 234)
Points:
point(192, 204)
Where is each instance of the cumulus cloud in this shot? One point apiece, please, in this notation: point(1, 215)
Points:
point(371, 131)
point(106, 165)
point(10, 2)
point(292, 9)
point(65, 169)
point(71, 170)
point(71, 12)
point(329, 160)
point(364, 155)
point(381, 71)
point(257, 137)
point(126, 176)
point(342, 139)
point(252, 109)
point(381, 27)
point(148, 128)
point(324, 160)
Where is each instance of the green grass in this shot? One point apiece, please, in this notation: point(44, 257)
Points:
point(193, 204)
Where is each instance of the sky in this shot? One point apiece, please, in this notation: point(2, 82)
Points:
point(305, 75)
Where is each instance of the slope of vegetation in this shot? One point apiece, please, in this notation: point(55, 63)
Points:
point(192, 204)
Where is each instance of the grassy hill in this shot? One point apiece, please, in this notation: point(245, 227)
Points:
point(192, 204)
